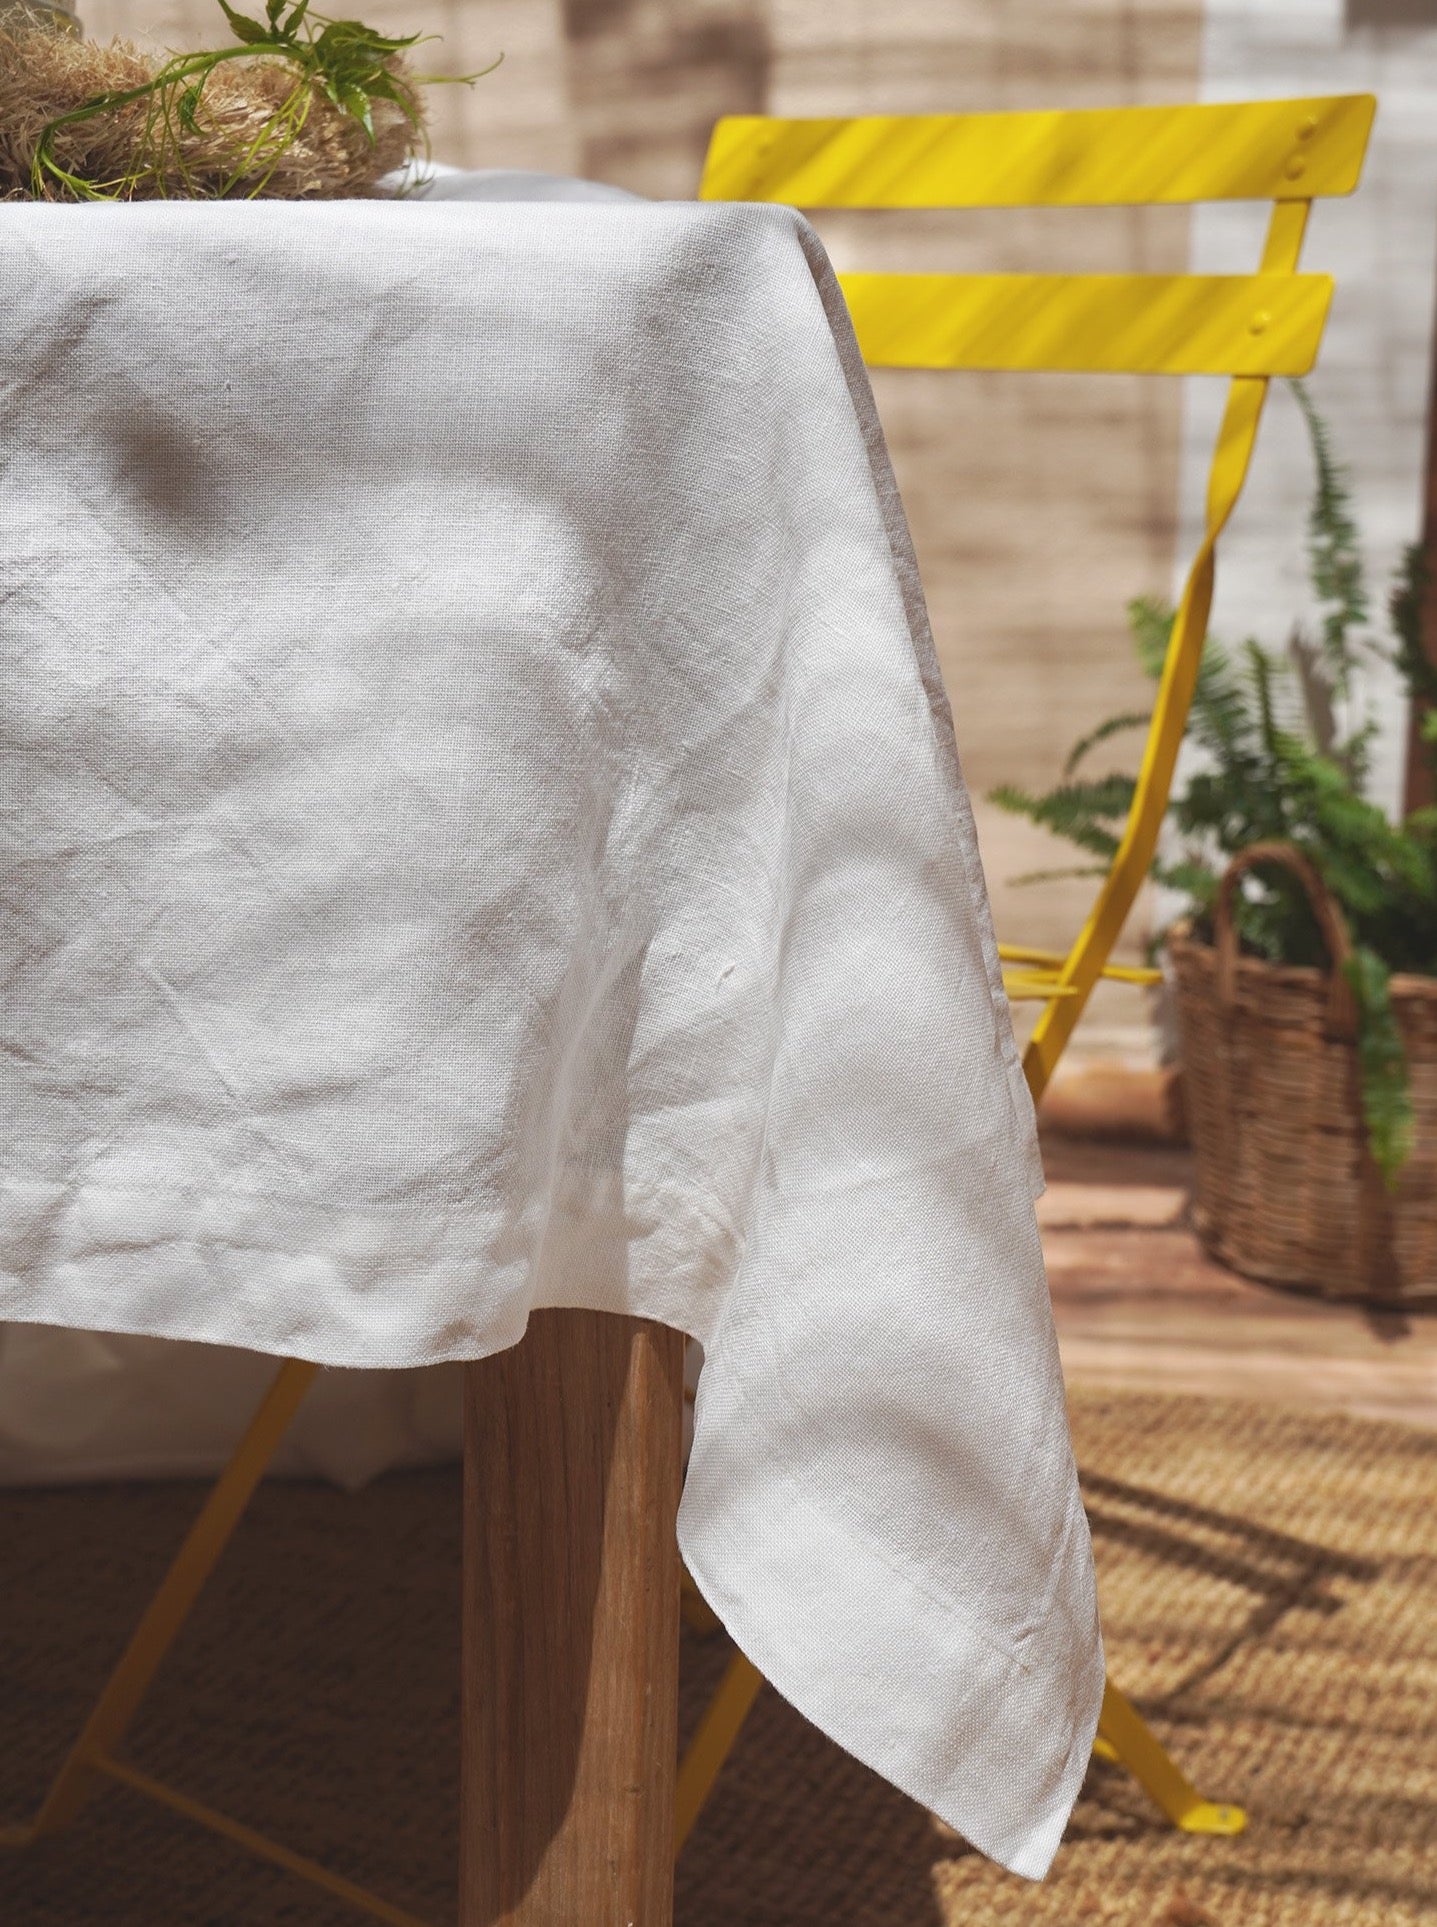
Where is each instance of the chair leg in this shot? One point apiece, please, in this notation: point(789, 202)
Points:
point(712, 1744)
point(698, 1615)
point(1123, 1736)
point(1134, 1745)
point(80, 1773)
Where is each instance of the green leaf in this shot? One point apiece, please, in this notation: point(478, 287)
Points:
point(250, 32)
point(347, 37)
point(188, 103)
point(355, 102)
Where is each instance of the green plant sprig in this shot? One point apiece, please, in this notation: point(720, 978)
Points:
point(344, 61)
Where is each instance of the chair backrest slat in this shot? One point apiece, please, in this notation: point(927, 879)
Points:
point(1150, 324)
point(1124, 156)
point(1248, 327)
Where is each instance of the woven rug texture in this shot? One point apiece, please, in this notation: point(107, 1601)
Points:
point(1269, 1583)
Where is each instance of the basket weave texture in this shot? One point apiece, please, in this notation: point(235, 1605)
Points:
point(1285, 1189)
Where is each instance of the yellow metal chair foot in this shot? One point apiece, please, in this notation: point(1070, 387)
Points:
point(1202, 1816)
point(1125, 1737)
point(1207, 1817)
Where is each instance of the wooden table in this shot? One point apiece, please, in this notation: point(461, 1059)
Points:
point(572, 1450)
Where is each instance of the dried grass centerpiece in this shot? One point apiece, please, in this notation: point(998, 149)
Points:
point(302, 107)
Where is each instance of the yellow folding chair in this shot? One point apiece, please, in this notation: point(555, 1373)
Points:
point(1248, 327)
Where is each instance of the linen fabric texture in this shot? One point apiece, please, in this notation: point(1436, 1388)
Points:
point(482, 830)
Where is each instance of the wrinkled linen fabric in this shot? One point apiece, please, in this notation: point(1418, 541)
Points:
point(77, 1406)
point(482, 830)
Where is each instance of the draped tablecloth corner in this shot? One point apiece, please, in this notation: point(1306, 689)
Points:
point(482, 829)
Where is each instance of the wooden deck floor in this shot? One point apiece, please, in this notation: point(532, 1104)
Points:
point(1139, 1306)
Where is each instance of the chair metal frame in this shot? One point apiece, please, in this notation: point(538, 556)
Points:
point(1249, 327)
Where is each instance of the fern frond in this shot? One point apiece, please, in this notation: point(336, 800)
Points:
point(1078, 812)
point(1307, 660)
point(1260, 674)
point(1061, 876)
point(1192, 878)
point(1333, 550)
point(1416, 668)
point(1223, 719)
point(1286, 750)
point(1360, 890)
point(1404, 609)
point(1382, 1065)
point(1220, 718)
point(1151, 624)
point(1218, 805)
point(1113, 726)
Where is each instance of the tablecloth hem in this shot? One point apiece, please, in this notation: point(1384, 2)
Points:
point(995, 1742)
point(219, 1269)
point(95, 1315)
point(234, 1271)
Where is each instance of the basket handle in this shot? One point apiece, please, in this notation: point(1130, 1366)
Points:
point(1341, 1004)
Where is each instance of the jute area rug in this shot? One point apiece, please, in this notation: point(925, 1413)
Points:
point(1270, 1590)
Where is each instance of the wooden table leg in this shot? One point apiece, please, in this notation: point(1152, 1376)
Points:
point(572, 1444)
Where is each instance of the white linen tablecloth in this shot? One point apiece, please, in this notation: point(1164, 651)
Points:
point(480, 828)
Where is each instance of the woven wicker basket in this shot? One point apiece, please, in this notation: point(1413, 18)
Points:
point(1284, 1187)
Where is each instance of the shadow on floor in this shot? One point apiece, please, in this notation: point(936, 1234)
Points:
point(315, 1697)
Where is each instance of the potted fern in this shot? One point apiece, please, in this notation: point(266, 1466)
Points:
point(1303, 962)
